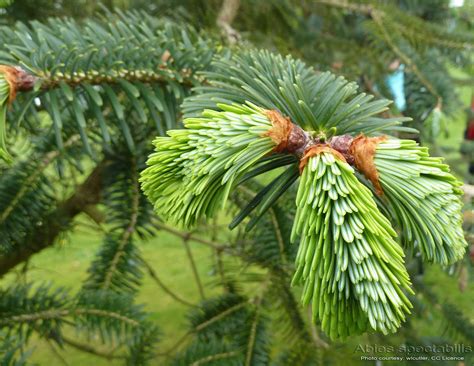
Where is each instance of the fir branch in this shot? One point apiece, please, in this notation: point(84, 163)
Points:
point(410, 26)
point(377, 16)
point(96, 78)
point(84, 347)
point(204, 325)
point(52, 314)
point(26, 309)
point(46, 161)
point(127, 234)
point(426, 35)
point(44, 236)
point(126, 63)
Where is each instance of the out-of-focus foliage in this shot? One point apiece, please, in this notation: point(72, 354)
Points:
point(111, 83)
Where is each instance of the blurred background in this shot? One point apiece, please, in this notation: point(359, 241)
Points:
point(416, 52)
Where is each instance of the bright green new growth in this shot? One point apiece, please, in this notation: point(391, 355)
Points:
point(198, 166)
point(4, 97)
point(425, 199)
point(348, 262)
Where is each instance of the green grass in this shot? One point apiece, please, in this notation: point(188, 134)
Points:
point(66, 265)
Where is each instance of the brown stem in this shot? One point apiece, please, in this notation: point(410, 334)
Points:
point(160, 283)
point(194, 268)
point(342, 144)
point(45, 235)
point(190, 237)
point(216, 357)
point(253, 332)
point(95, 78)
point(89, 349)
point(226, 16)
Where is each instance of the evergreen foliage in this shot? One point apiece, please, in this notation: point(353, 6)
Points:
point(209, 162)
point(187, 178)
point(425, 200)
point(350, 266)
point(46, 311)
point(250, 131)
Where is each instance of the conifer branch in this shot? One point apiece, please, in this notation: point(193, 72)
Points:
point(63, 313)
point(89, 349)
point(49, 158)
point(129, 230)
point(88, 193)
point(93, 77)
point(377, 16)
point(26, 81)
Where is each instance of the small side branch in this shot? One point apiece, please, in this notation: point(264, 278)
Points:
point(194, 268)
point(45, 236)
point(129, 230)
point(89, 349)
point(190, 237)
point(165, 288)
point(216, 357)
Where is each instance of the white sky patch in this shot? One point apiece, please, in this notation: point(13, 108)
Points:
point(456, 3)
